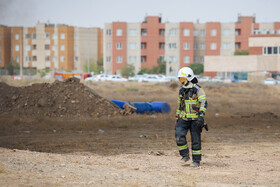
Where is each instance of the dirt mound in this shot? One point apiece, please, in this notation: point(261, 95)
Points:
point(58, 99)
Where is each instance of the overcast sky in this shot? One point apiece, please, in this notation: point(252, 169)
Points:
point(94, 13)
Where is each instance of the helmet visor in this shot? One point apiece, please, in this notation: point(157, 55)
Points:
point(182, 79)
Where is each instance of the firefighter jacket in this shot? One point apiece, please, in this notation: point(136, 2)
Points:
point(191, 102)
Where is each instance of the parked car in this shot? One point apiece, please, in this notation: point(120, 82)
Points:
point(116, 78)
point(149, 78)
point(204, 79)
point(101, 77)
point(270, 81)
point(92, 78)
point(217, 79)
point(172, 78)
point(278, 81)
point(135, 78)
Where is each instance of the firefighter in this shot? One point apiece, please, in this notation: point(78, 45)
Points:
point(190, 114)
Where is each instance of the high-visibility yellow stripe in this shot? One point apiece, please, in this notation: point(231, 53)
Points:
point(182, 147)
point(201, 97)
point(196, 152)
point(202, 109)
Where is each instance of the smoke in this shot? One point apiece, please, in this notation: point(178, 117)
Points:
point(16, 12)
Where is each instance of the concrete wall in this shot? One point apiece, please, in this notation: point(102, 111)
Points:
point(107, 39)
point(200, 40)
point(227, 39)
point(264, 41)
point(250, 63)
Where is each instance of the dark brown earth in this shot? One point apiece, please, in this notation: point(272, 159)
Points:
point(241, 147)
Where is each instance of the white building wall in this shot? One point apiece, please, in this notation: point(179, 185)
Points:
point(200, 39)
point(134, 39)
point(172, 55)
point(107, 39)
point(266, 28)
point(40, 51)
point(227, 39)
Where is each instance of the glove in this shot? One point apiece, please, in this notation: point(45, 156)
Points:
point(200, 121)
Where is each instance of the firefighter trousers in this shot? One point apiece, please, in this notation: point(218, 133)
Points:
point(181, 131)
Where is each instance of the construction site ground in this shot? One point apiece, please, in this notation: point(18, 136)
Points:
point(241, 148)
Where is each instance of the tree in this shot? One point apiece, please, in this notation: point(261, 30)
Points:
point(128, 70)
point(12, 66)
point(96, 67)
point(244, 52)
point(159, 69)
point(197, 68)
point(143, 71)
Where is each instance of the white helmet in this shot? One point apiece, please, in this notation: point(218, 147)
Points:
point(186, 72)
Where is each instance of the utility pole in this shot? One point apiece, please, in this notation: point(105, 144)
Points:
point(21, 48)
point(88, 50)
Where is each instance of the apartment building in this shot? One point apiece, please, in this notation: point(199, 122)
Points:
point(49, 46)
point(180, 44)
point(5, 45)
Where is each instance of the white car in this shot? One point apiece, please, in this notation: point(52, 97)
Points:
point(171, 79)
point(278, 81)
point(135, 78)
point(92, 78)
point(101, 77)
point(204, 79)
point(116, 78)
point(149, 78)
point(270, 81)
point(217, 79)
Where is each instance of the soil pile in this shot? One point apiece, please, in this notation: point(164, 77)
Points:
point(58, 99)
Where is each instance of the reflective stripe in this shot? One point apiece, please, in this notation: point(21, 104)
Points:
point(202, 109)
point(196, 152)
point(178, 112)
point(190, 101)
point(182, 147)
point(201, 97)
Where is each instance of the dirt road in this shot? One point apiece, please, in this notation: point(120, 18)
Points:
point(242, 147)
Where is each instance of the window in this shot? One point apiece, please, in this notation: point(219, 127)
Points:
point(143, 59)
point(186, 32)
point(161, 32)
point(108, 59)
point(76, 36)
point(27, 59)
point(275, 50)
point(195, 32)
point(54, 47)
point(119, 59)
point(172, 45)
point(34, 47)
point(119, 32)
point(237, 32)
point(143, 32)
point(132, 58)
point(17, 47)
point(17, 59)
point(27, 47)
point(27, 36)
point(213, 46)
point(186, 46)
point(16, 36)
point(34, 58)
point(202, 46)
point(0, 47)
point(172, 59)
point(226, 45)
point(202, 32)
point(47, 35)
point(62, 36)
point(172, 32)
point(76, 59)
point(119, 45)
point(202, 59)
point(54, 59)
point(54, 36)
point(132, 32)
point(143, 45)
point(265, 31)
point(132, 45)
point(226, 32)
point(108, 32)
point(195, 46)
point(47, 46)
point(34, 36)
point(186, 59)
point(62, 47)
point(62, 58)
point(161, 45)
point(76, 48)
point(213, 32)
point(196, 59)
point(47, 58)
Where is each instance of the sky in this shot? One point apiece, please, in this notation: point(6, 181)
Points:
point(94, 13)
